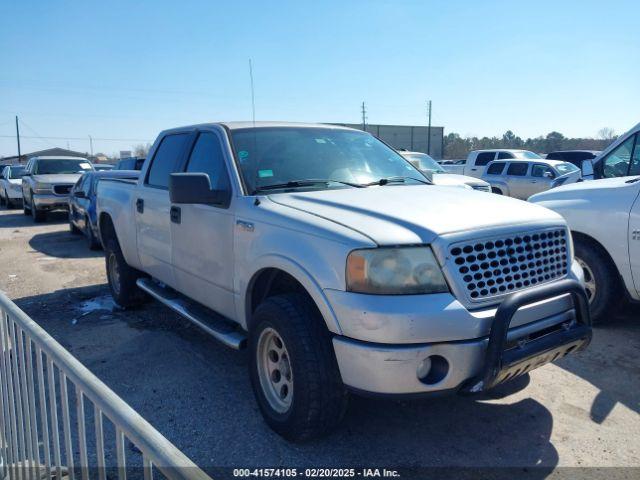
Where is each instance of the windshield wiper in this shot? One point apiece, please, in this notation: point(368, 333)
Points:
point(303, 183)
point(386, 181)
point(633, 180)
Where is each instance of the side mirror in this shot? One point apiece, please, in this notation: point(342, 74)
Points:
point(587, 168)
point(79, 194)
point(549, 175)
point(195, 188)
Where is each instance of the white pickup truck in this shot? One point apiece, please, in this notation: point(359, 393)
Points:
point(340, 267)
point(477, 160)
point(604, 217)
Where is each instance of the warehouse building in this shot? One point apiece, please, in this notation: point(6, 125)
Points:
point(407, 137)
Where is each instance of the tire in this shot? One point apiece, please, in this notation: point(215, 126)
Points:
point(72, 226)
point(92, 241)
point(4, 199)
point(601, 279)
point(121, 277)
point(38, 216)
point(317, 398)
point(25, 210)
point(497, 191)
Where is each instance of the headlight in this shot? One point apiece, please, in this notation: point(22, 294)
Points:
point(41, 188)
point(394, 271)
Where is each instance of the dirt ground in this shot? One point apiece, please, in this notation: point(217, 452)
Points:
point(582, 411)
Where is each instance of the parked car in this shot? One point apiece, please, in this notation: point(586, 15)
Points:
point(583, 159)
point(47, 182)
point(132, 163)
point(10, 185)
point(340, 267)
point(621, 158)
point(477, 160)
point(82, 203)
point(604, 218)
point(439, 176)
point(99, 167)
point(523, 178)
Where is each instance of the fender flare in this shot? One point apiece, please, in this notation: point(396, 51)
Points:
point(297, 271)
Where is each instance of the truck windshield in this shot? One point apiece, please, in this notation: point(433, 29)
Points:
point(526, 154)
point(16, 172)
point(565, 167)
point(270, 156)
point(61, 166)
point(423, 161)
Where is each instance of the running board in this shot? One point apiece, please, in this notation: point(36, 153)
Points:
point(221, 330)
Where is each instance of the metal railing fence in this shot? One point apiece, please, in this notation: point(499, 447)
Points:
point(45, 425)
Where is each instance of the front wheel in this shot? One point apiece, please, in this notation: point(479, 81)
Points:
point(601, 279)
point(293, 370)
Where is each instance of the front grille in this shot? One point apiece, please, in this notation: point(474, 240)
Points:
point(493, 267)
point(482, 188)
point(62, 189)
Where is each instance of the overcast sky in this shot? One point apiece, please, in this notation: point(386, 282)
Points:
point(122, 71)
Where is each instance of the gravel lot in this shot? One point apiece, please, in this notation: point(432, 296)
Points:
point(583, 411)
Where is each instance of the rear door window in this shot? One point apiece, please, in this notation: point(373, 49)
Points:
point(484, 158)
point(504, 155)
point(495, 168)
point(518, 169)
point(166, 160)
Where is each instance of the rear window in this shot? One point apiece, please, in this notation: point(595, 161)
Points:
point(518, 169)
point(495, 168)
point(165, 161)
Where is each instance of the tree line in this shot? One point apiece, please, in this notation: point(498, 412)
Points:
point(456, 146)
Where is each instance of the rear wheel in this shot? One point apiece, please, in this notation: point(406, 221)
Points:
point(121, 277)
point(602, 283)
point(495, 190)
point(293, 370)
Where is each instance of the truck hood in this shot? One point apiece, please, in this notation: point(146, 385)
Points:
point(452, 179)
point(583, 189)
point(414, 214)
point(55, 179)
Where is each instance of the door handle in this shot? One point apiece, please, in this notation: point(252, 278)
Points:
point(140, 205)
point(176, 214)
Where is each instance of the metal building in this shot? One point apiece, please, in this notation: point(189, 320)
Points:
point(407, 137)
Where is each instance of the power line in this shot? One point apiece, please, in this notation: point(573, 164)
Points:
point(83, 138)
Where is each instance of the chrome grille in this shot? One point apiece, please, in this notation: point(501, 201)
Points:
point(62, 189)
point(492, 267)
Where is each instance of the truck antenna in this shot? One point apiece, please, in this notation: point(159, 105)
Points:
point(253, 97)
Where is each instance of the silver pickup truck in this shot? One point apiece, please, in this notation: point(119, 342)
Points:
point(340, 267)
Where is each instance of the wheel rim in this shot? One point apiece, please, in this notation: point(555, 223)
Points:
point(274, 370)
point(114, 273)
point(589, 280)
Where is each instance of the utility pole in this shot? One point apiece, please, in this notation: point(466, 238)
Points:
point(364, 117)
point(91, 144)
point(18, 138)
point(429, 129)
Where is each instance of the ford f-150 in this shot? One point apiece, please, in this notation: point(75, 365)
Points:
point(340, 267)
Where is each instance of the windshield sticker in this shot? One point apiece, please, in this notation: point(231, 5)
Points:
point(265, 173)
point(243, 155)
point(85, 166)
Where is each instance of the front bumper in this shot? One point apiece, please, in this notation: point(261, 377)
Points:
point(530, 328)
point(50, 201)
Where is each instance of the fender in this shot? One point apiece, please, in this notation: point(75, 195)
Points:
point(297, 271)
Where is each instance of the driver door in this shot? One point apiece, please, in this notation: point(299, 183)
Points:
point(202, 235)
point(541, 178)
